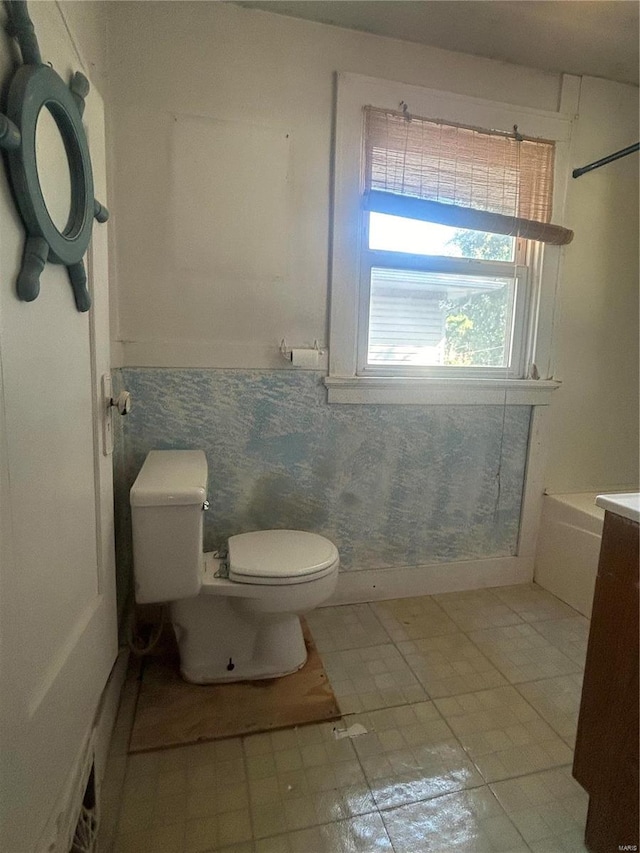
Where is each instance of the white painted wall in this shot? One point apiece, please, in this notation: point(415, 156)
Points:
point(594, 417)
point(253, 73)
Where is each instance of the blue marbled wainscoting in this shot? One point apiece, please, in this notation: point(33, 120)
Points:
point(390, 485)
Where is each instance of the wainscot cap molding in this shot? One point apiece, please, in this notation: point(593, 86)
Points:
point(440, 392)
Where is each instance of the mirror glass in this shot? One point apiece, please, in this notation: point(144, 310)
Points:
point(53, 169)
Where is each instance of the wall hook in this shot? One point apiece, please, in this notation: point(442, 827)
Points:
point(285, 351)
point(405, 110)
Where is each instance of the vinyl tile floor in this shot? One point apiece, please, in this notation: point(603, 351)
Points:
point(466, 706)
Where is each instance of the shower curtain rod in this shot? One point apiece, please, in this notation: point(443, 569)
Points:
point(604, 160)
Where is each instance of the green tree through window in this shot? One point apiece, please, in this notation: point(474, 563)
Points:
point(475, 325)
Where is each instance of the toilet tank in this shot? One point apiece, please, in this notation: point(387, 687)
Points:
point(167, 501)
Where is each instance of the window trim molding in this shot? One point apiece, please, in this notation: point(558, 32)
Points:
point(355, 91)
point(441, 391)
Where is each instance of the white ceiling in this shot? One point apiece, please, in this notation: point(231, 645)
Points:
point(590, 37)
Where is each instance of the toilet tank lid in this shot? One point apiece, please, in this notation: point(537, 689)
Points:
point(171, 478)
point(280, 554)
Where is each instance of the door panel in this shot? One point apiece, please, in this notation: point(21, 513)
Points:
point(58, 636)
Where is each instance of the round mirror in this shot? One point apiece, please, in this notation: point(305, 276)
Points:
point(51, 176)
point(52, 164)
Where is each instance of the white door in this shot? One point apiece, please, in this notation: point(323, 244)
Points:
point(58, 636)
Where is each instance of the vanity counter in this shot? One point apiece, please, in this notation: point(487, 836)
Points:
point(626, 504)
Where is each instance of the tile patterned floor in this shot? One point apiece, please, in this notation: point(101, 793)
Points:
point(372, 677)
point(468, 702)
point(521, 653)
point(557, 700)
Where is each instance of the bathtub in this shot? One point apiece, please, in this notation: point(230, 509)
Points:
point(568, 548)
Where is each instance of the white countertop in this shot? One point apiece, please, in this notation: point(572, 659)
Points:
point(627, 504)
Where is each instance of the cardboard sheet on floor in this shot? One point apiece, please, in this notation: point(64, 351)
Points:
point(172, 712)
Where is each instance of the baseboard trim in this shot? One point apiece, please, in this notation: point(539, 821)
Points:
point(108, 711)
point(360, 585)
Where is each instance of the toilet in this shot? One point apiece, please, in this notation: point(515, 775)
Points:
point(236, 614)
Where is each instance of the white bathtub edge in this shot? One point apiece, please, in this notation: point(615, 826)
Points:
point(566, 561)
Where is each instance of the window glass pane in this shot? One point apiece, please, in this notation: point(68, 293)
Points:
point(430, 318)
point(399, 234)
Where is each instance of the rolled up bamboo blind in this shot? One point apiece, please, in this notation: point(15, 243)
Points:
point(461, 176)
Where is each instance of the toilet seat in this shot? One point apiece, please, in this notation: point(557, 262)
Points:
point(280, 557)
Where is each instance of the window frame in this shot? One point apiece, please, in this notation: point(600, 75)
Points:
point(516, 269)
point(348, 379)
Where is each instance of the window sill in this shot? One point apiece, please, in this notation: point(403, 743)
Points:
point(440, 392)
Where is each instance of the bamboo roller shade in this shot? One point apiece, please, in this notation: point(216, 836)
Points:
point(462, 176)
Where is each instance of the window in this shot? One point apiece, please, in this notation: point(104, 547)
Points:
point(437, 242)
point(434, 297)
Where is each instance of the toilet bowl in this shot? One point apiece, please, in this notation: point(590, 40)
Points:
point(235, 616)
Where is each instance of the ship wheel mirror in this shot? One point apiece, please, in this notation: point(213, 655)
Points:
point(49, 165)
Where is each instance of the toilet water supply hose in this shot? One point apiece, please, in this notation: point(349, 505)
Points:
point(138, 644)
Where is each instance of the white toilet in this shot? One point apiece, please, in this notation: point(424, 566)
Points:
point(235, 616)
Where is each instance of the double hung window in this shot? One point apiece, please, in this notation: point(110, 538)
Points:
point(439, 255)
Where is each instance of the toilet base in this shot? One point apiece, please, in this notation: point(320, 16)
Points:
point(218, 644)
